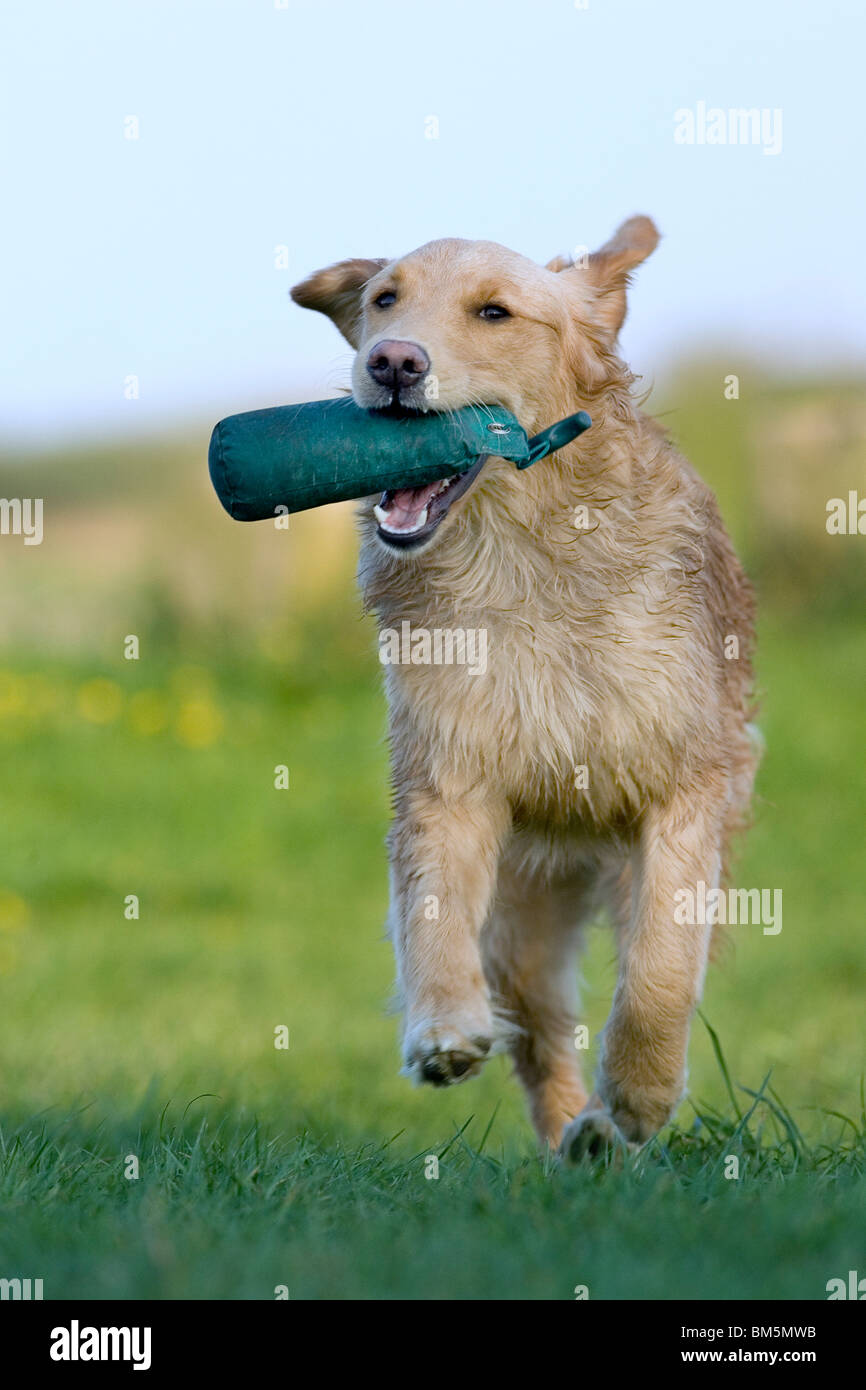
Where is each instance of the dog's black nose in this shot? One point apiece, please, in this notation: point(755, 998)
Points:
point(397, 364)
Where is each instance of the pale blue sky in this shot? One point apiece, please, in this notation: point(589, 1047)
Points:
point(304, 125)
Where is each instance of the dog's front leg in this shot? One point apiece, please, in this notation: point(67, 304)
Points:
point(444, 854)
point(662, 963)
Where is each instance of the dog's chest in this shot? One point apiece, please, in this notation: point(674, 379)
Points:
point(563, 709)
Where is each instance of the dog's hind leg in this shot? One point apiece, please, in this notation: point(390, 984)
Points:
point(530, 947)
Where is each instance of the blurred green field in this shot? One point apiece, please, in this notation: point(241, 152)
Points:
point(262, 908)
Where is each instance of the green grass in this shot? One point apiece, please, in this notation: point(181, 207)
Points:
point(261, 908)
point(229, 1208)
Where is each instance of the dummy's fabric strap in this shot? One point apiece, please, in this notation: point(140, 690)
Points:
point(556, 437)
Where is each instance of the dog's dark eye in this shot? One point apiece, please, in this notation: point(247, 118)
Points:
point(385, 299)
point(493, 311)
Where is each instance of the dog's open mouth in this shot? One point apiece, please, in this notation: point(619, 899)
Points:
point(408, 516)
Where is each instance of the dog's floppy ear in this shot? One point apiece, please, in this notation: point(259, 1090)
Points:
point(336, 291)
point(608, 270)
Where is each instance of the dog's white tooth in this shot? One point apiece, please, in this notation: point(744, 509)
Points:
point(380, 514)
point(401, 530)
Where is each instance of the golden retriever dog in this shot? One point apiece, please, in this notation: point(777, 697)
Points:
point(601, 756)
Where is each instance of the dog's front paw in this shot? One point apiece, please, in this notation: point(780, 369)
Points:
point(640, 1112)
point(441, 1055)
point(593, 1134)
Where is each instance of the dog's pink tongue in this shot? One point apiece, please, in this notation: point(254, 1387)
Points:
point(408, 504)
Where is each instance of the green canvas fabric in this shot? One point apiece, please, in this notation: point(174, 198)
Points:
point(302, 456)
